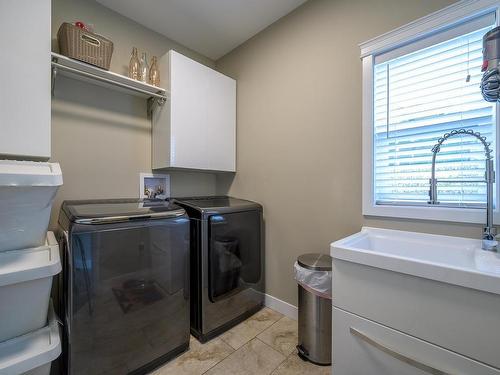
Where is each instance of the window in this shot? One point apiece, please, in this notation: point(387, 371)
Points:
point(417, 91)
point(417, 98)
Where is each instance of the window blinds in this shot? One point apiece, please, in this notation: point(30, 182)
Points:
point(418, 97)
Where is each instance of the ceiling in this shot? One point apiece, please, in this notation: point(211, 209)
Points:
point(210, 27)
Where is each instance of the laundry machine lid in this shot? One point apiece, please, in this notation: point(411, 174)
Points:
point(105, 211)
point(217, 204)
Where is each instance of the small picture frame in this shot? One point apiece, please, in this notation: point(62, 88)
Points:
point(154, 186)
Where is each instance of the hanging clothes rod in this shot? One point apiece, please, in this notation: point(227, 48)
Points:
point(160, 97)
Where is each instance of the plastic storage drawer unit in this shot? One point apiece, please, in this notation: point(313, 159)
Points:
point(27, 190)
point(33, 353)
point(25, 283)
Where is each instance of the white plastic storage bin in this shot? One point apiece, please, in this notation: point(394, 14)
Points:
point(27, 190)
point(33, 353)
point(25, 282)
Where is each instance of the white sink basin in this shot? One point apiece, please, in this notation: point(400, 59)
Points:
point(453, 260)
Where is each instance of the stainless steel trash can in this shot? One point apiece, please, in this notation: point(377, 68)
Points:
point(315, 314)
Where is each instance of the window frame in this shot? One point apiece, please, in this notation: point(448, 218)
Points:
point(446, 18)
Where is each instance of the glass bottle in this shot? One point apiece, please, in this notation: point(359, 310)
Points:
point(154, 73)
point(134, 65)
point(144, 76)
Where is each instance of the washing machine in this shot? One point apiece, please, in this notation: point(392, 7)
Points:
point(227, 262)
point(124, 293)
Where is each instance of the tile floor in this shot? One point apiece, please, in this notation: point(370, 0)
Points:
point(261, 345)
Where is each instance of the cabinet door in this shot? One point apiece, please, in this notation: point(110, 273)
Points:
point(203, 116)
point(25, 67)
point(361, 346)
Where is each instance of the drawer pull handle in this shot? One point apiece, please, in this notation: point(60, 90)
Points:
point(398, 356)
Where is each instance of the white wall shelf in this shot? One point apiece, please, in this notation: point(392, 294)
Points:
point(84, 72)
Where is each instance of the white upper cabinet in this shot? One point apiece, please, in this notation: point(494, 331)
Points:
point(196, 128)
point(25, 90)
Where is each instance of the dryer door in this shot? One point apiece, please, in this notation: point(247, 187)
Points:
point(234, 253)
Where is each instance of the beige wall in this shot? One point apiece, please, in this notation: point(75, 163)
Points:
point(299, 128)
point(102, 138)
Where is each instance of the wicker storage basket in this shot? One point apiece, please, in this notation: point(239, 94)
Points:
point(82, 45)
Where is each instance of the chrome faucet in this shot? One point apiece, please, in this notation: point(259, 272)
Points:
point(489, 232)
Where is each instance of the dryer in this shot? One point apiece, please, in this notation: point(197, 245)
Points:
point(227, 262)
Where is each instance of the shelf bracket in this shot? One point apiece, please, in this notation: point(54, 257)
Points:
point(53, 80)
point(153, 103)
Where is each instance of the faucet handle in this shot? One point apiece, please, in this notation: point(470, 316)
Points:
point(490, 239)
point(490, 233)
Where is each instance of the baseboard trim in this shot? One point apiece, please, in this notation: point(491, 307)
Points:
point(280, 306)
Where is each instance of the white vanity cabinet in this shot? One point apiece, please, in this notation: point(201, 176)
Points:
point(462, 320)
point(409, 303)
point(25, 38)
point(196, 127)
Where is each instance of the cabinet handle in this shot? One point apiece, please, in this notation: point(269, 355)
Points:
point(398, 356)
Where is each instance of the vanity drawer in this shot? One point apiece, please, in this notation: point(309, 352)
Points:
point(361, 346)
point(463, 320)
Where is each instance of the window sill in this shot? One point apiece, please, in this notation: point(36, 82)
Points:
point(457, 215)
